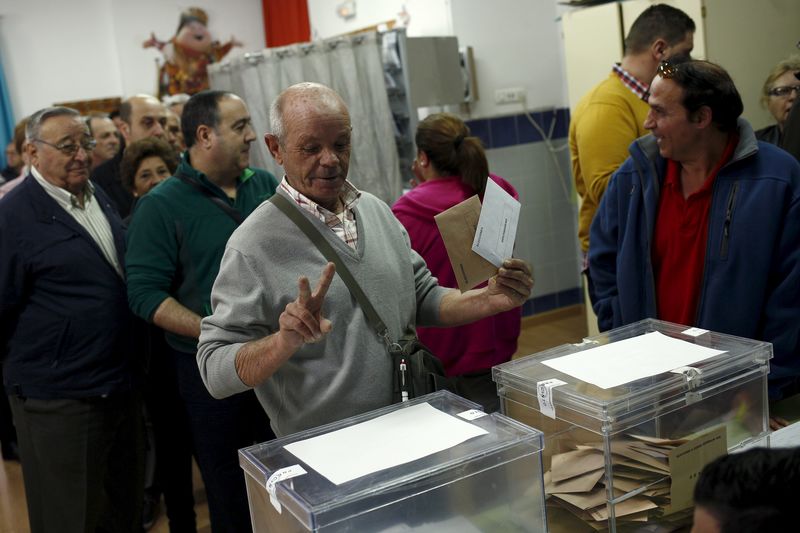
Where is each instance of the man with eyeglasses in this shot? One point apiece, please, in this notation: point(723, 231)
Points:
point(610, 116)
point(65, 342)
point(142, 116)
point(701, 224)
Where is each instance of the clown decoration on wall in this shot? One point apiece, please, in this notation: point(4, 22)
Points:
point(188, 54)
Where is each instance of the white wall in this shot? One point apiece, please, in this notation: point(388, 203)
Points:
point(427, 17)
point(516, 43)
point(55, 50)
point(81, 49)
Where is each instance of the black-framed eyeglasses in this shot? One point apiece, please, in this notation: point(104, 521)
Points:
point(70, 148)
point(784, 91)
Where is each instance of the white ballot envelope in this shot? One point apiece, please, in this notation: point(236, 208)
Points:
point(497, 225)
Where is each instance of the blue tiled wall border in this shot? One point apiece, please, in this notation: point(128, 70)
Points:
point(511, 130)
point(549, 302)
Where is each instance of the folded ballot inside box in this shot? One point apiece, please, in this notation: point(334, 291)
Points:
point(631, 416)
point(437, 463)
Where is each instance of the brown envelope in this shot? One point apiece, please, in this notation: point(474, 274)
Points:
point(687, 460)
point(457, 226)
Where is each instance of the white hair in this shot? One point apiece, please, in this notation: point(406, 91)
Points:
point(323, 96)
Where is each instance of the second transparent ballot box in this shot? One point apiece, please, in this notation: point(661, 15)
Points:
point(631, 416)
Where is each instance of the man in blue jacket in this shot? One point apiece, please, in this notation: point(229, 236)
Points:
point(65, 338)
point(701, 225)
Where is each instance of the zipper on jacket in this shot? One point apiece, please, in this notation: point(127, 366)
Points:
point(726, 227)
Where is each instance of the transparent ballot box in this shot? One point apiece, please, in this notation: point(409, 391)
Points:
point(397, 469)
point(631, 416)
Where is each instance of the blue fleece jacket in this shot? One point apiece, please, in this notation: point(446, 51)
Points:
point(751, 278)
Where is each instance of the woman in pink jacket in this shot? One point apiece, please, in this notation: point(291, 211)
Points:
point(450, 167)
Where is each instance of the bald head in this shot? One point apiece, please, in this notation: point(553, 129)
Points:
point(306, 97)
point(310, 139)
point(143, 116)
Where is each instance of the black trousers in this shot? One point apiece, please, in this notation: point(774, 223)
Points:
point(8, 435)
point(219, 429)
point(171, 434)
point(82, 462)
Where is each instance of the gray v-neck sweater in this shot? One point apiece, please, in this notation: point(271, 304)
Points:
point(349, 371)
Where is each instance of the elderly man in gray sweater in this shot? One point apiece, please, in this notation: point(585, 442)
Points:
point(311, 355)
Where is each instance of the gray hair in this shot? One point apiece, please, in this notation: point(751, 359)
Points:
point(323, 95)
point(34, 126)
point(276, 117)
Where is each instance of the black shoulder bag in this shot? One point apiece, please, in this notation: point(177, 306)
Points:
point(415, 370)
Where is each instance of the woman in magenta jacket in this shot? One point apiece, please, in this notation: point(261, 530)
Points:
point(450, 167)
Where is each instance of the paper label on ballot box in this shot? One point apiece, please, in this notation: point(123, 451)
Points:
point(280, 475)
point(544, 391)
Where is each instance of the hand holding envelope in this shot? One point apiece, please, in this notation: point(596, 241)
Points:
point(457, 226)
point(480, 239)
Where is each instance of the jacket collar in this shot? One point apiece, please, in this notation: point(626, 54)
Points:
point(48, 211)
point(185, 167)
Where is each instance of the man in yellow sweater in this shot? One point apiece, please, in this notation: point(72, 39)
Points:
point(611, 116)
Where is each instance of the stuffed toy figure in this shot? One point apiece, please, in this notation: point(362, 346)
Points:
point(188, 54)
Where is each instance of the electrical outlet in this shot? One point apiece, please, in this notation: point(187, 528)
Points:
point(511, 95)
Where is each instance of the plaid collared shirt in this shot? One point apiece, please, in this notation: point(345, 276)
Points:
point(642, 90)
point(342, 224)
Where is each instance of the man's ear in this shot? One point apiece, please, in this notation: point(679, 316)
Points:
point(703, 117)
point(125, 131)
point(203, 136)
point(658, 50)
point(32, 151)
point(274, 147)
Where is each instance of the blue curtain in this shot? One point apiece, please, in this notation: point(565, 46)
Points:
point(6, 117)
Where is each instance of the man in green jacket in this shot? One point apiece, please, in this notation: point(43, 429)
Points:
point(175, 245)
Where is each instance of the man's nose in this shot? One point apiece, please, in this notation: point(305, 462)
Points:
point(159, 131)
point(83, 153)
point(329, 158)
point(250, 135)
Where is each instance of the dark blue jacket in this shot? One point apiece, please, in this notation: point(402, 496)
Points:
point(64, 319)
point(751, 277)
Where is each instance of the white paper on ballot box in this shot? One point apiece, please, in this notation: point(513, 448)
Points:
point(622, 362)
point(399, 437)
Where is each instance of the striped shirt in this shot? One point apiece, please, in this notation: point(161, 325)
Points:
point(343, 224)
point(640, 89)
point(90, 216)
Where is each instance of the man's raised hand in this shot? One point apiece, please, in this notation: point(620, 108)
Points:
point(302, 322)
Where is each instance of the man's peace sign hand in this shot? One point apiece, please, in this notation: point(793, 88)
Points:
point(302, 322)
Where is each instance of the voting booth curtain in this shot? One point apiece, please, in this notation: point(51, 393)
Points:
point(352, 66)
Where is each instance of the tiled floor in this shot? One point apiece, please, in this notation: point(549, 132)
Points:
point(539, 332)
